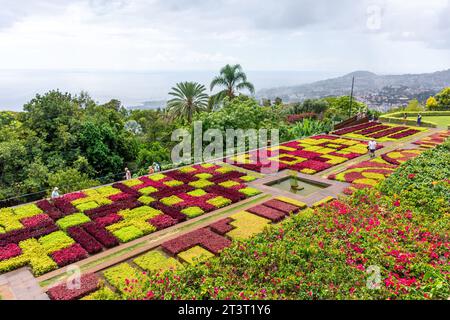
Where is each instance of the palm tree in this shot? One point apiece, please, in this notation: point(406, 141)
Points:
point(232, 79)
point(189, 98)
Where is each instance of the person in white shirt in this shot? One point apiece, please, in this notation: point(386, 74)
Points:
point(55, 193)
point(127, 174)
point(372, 148)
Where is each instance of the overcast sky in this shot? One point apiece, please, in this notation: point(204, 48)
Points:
point(385, 36)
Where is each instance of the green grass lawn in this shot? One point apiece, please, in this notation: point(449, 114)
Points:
point(441, 121)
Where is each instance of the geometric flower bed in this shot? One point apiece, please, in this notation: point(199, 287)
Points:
point(378, 131)
point(47, 235)
point(370, 173)
point(433, 140)
point(191, 248)
point(308, 156)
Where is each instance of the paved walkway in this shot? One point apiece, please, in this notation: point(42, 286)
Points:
point(20, 285)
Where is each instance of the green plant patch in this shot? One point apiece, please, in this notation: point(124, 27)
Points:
point(26, 211)
point(148, 190)
point(146, 200)
point(193, 212)
point(72, 220)
point(172, 200)
point(197, 193)
point(55, 241)
point(128, 234)
point(219, 202)
point(204, 176)
point(201, 184)
point(87, 206)
point(250, 192)
point(155, 261)
point(195, 255)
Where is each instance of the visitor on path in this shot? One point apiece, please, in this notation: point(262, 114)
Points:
point(372, 148)
point(127, 174)
point(419, 119)
point(151, 170)
point(55, 193)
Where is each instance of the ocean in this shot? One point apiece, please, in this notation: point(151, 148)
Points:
point(134, 89)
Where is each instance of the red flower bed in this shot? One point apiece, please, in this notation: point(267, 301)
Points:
point(10, 251)
point(204, 237)
point(69, 255)
point(355, 128)
point(88, 284)
point(108, 220)
point(268, 213)
point(404, 134)
point(121, 196)
point(372, 130)
point(88, 242)
point(292, 118)
point(126, 189)
point(163, 221)
point(36, 221)
point(222, 226)
point(73, 196)
point(281, 206)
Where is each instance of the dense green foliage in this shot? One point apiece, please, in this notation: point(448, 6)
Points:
point(424, 182)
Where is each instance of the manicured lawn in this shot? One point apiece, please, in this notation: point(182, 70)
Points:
point(442, 121)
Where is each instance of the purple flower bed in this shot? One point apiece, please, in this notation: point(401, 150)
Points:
point(163, 221)
point(355, 128)
point(222, 226)
point(88, 242)
point(204, 237)
point(101, 234)
point(404, 134)
point(170, 211)
point(50, 209)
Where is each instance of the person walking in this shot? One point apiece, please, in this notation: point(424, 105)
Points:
point(127, 174)
point(151, 170)
point(419, 119)
point(372, 148)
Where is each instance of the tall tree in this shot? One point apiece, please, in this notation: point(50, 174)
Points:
point(232, 79)
point(189, 98)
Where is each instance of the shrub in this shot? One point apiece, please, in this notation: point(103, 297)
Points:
point(103, 293)
point(88, 242)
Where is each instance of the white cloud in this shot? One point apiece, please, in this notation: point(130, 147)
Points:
point(200, 34)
